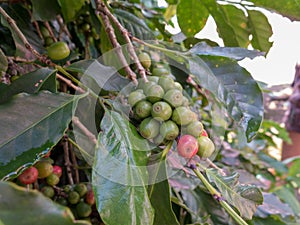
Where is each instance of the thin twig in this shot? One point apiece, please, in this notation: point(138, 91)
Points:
point(52, 35)
point(67, 159)
point(102, 7)
point(113, 39)
point(74, 161)
point(70, 84)
point(27, 45)
point(87, 133)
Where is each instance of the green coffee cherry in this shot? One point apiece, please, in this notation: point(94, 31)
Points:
point(178, 86)
point(149, 128)
point(160, 71)
point(143, 109)
point(134, 97)
point(148, 85)
point(161, 111)
point(73, 197)
point(153, 79)
point(81, 189)
point(83, 209)
point(155, 93)
point(183, 116)
point(206, 147)
point(145, 60)
point(169, 130)
point(173, 97)
point(166, 83)
point(48, 191)
point(195, 128)
point(185, 101)
point(58, 50)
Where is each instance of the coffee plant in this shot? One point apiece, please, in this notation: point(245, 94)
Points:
point(108, 118)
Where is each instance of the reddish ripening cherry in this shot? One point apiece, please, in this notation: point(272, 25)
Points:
point(204, 133)
point(187, 146)
point(57, 170)
point(29, 176)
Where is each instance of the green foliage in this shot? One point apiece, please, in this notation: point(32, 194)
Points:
point(79, 106)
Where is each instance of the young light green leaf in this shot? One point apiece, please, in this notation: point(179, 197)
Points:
point(23, 141)
point(245, 198)
point(192, 16)
point(21, 206)
point(70, 8)
point(238, 21)
point(261, 30)
point(33, 82)
point(119, 173)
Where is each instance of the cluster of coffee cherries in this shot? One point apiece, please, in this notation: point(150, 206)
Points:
point(164, 115)
point(78, 197)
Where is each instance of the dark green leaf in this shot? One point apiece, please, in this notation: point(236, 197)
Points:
point(41, 79)
point(280, 132)
point(120, 173)
point(238, 21)
point(98, 76)
point(273, 206)
point(225, 31)
point(268, 221)
point(192, 16)
point(23, 20)
point(289, 197)
point(288, 8)
point(160, 203)
point(44, 10)
point(261, 30)
point(232, 85)
point(30, 127)
point(23, 207)
point(70, 8)
point(3, 63)
point(230, 52)
point(7, 42)
point(136, 26)
point(244, 198)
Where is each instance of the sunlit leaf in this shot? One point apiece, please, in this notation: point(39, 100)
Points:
point(70, 8)
point(29, 127)
point(120, 175)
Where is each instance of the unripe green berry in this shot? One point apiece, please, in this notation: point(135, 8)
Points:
point(183, 116)
point(148, 85)
point(134, 97)
point(169, 130)
point(178, 86)
point(160, 71)
point(73, 197)
point(48, 191)
point(155, 93)
point(52, 179)
point(185, 101)
point(195, 128)
point(81, 188)
point(149, 128)
point(161, 111)
point(83, 210)
point(153, 79)
point(145, 60)
point(166, 83)
point(206, 147)
point(173, 97)
point(143, 109)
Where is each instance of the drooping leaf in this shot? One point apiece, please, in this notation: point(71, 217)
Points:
point(245, 198)
point(97, 76)
point(30, 127)
point(70, 8)
point(44, 10)
point(161, 204)
point(120, 175)
point(238, 21)
point(192, 16)
point(226, 32)
point(230, 52)
point(273, 206)
point(288, 8)
point(232, 85)
point(136, 26)
point(21, 206)
point(41, 79)
point(261, 30)
point(289, 197)
point(23, 20)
